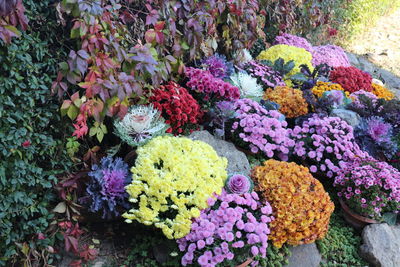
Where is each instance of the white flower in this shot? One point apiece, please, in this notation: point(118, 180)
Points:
point(140, 124)
point(247, 85)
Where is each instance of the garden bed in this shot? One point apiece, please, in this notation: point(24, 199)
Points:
point(171, 139)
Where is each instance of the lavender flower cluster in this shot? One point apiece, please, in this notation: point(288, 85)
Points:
point(261, 130)
point(332, 55)
point(326, 144)
point(265, 75)
point(370, 187)
point(293, 40)
point(232, 228)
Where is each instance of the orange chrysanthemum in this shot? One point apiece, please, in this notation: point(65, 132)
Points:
point(301, 206)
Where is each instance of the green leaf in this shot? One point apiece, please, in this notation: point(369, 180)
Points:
point(112, 151)
point(73, 112)
point(185, 45)
point(93, 131)
point(13, 29)
point(75, 33)
point(100, 136)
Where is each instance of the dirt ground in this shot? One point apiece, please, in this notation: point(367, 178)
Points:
point(381, 43)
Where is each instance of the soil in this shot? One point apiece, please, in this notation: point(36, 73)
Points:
point(381, 43)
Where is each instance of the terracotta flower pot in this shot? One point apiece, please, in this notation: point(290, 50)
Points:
point(354, 219)
point(246, 263)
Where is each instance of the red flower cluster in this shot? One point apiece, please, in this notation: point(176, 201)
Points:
point(351, 79)
point(204, 82)
point(178, 107)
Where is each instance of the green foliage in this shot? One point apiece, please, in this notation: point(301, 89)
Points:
point(31, 148)
point(341, 244)
point(276, 257)
point(148, 246)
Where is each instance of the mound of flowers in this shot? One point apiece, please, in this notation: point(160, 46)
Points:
point(180, 110)
point(301, 207)
point(287, 53)
point(326, 144)
point(369, 187)
point(212, 88)
point(332, 55)
point(293, 40)
point(260, 130)
point(351, 79)
point(321, 87)
point(172, 180)
point(232, 229)
point(291, 101)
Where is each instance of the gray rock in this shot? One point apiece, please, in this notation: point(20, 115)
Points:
point(353, 59)
point(381, 245)
point(237, 160)
point(304, 256)
point(349, 116)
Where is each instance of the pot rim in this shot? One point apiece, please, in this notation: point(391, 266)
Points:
point(355, 215)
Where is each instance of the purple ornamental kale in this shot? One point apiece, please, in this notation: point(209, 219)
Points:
point(218, 66)
point(106, 187)
point(374, 135)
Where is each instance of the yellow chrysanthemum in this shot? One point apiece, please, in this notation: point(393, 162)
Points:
point(286, 52)
point(382, 92)
point(172, 179)
point(321, 87)
point(301, 206)
point(291, 101)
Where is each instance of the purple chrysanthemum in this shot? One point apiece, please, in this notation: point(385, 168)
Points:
point(218, 66)
point(332, 55)
point(293, 40)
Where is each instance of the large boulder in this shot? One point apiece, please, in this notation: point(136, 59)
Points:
point(304, 256)
point(381, 245)
point(237, 160)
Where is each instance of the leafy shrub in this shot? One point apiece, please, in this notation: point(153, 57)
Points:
point(308, 18)
point(31, 147)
